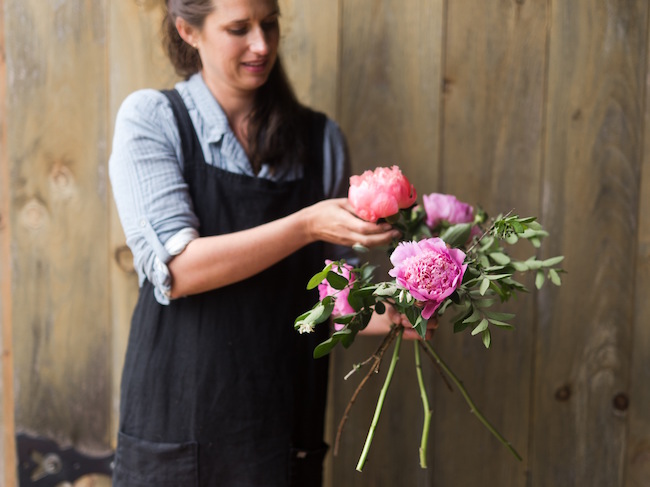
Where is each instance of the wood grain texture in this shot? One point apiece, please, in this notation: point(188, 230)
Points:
point(593, 148)
point(492, 154)
point(391, 72)
point(389, 99)
point(56, 72)
point(637, 460)
point(136, 60)
point(7, 432)
point(309, 50)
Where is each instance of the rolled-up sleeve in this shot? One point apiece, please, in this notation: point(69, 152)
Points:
point(150, 193)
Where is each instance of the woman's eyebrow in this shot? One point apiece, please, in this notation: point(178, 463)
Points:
point(243, 21)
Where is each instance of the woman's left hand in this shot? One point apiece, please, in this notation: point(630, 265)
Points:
point(380, 324)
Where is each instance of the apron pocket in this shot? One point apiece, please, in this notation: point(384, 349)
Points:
point(306, 466)
point(142, 463)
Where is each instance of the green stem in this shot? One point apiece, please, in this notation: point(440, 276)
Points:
point(425, 406)
point(473, 409)
point(380, 402)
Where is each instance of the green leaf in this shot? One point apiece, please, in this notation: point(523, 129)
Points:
point(473, 318)
point(539, 279)
point(325, 347)
point(457, 235)
point(386, 289)
point(537, 243)
point(517, 227)
point(554, 277)
point(344, 319)
point(499, 316)
point(413, 314)
point(500, 258)
point(487, 243)
point(459, 326)
point(484, 286)
point(552, 261)
point(519, 266)
point(319, 277)
point(336, 281)
point(322, 312)
point(482, 326)
point(533, 264)
point(494, 268)
point(512, 239)
point(501, 324)
point(496, 277)
point(421, 326)
point(367, 271)
point(356, 301)
point(487, 338)
point(485, 303)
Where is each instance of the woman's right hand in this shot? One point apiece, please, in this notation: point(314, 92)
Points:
point(333, 221)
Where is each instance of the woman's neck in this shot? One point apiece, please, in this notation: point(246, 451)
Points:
point(237, 105)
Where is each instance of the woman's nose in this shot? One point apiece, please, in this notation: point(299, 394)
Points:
point(259, 44)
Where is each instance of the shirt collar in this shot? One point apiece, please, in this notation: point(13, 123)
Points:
point(209, 110)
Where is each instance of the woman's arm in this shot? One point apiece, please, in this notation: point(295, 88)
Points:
point(212, 262)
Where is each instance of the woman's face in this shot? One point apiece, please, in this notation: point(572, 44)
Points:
point(238, 45)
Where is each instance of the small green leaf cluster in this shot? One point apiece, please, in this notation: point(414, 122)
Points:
point(489, 275)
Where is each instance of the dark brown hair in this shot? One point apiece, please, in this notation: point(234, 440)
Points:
point(277, 124)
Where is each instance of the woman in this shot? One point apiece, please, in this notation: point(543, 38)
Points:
point(229, 194)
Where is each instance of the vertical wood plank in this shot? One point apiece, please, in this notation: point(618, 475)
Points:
point(638, 442)
point(7, 434)
point(492, 153)
point(136, 60)
point(389, 107)
point(56, 72)
point(309, 50)
point(593, 147)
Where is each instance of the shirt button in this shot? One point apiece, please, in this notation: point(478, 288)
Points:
point(143, 223)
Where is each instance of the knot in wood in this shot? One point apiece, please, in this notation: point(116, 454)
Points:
point(563, 393)
point(621, 402)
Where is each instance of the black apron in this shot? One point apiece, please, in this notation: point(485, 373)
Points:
point(218, 389)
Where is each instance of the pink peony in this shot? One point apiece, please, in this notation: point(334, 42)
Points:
point(440, 207)
point(380, 193)
point(341, 305)
point(429, 270)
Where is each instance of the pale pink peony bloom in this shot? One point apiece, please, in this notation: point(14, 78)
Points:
point(341, 304)
point(440, 207)
point(380, 193)
point(429, 270)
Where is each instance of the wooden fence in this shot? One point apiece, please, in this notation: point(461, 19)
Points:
point(536, 105)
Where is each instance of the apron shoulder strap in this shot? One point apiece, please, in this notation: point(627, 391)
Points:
point(190, 144)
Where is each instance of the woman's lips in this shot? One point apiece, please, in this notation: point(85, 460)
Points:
point(255, 66)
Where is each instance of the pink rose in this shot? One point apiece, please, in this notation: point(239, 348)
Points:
point(440, 207)
point(380, 193)
point(429, 270)
point(341, 305)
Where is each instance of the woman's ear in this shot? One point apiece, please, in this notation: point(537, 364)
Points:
point(188, 33)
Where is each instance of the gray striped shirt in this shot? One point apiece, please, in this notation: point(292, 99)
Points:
point(146, 173)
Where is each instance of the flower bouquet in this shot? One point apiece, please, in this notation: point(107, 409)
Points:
point(449, 260)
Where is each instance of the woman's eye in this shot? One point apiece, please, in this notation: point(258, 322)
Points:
point(238, 32)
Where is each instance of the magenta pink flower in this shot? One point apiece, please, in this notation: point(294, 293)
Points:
point(429, 270)
point(341, 304)
point(440, 207)
point(380, 193)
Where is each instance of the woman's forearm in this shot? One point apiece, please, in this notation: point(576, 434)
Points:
point(211, 262)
